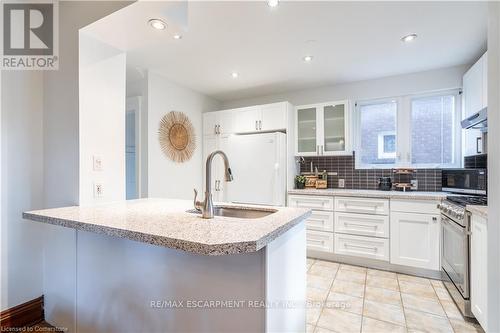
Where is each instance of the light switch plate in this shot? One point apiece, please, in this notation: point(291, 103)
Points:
point(97, 163)
point(341, 183)
point(98, 190)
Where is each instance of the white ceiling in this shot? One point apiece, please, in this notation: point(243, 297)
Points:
point(350, 41)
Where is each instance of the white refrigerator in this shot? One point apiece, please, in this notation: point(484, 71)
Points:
point(258, 163)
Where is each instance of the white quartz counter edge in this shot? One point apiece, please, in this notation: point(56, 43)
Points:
point(373, 194)
point(478, 210)
point(165, 222)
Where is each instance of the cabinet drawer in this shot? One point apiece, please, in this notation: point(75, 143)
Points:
point(361, 246)
point(319, 241)
point(320, 220)
point(361, 224)
point(362, 205)
point(415, 206)
point(311, 201)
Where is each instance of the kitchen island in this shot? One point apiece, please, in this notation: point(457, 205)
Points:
point(153, 265)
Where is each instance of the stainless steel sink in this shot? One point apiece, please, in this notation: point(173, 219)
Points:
point(238, 212)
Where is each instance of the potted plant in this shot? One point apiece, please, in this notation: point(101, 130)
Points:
point(300, 182)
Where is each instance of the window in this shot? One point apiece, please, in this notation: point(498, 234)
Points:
point(377, 133)
point(409, 131)
point(432, 129)
point(387, 145)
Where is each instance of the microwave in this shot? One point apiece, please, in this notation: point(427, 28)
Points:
point(465, 181)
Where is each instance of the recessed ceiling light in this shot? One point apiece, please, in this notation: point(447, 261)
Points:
point(273, 3)
point(308, 58)
point(157, 24)
point(177, 36)
point(235, 75)
point(408, 38)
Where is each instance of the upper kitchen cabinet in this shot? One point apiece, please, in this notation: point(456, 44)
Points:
point(323, 129)
point(216, 123)
point(475, 98)
point(268, 117)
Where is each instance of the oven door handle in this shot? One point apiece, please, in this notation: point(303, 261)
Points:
point(451, 223)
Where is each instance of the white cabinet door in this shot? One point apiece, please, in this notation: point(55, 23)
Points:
point(362, 224)
point(320, 220)
point(334, 125)
point(478, 269)
point(225, 121)
point(474, 100)
point(311, 201)
point(319, 241)
point(273, 117)
point(415, 240)
point(209, 123)
point(307, 131)
point(361, 246)
point(485, 79)
point(246, 119)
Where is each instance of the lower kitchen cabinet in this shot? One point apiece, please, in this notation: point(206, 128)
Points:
point(478, 269)
point(319, 241)
point(362, 246)
point(415, 240)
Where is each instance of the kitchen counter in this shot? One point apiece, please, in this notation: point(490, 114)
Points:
point(165, 222)
point(124, 256)
point(479, 210)
point(416, 195)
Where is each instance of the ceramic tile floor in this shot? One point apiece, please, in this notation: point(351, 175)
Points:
point(344, 299)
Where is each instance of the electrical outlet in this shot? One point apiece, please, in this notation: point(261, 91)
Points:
point(97, 163)
point(414, 184)
point(98, 190)
point(341, 183)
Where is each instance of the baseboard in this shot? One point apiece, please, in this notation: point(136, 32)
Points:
point(26, 314)
point(375, 264)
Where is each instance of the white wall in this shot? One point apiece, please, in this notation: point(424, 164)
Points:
point(400, 85)
point(166, 178)
point(493, 170)
point(61, 162)
point(22, 186)
point(102, 120)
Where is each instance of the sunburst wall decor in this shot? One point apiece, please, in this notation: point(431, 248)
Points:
point(177, 137)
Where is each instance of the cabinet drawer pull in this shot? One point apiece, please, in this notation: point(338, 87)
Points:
point(361, 225)
point(373, 248)
point(320, 242)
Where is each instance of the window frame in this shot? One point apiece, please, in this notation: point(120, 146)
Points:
point(403, 131)
point(357, 131)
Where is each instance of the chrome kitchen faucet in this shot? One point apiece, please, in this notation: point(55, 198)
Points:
point(207, 206)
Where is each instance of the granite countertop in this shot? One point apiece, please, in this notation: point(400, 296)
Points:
point(165, 222)
point(373, 194)
point(478, 210)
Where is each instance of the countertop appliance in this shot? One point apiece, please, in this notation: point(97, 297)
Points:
point(455, 221)
point(258, 163)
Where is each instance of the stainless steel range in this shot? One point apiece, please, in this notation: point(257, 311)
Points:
point(455, 252)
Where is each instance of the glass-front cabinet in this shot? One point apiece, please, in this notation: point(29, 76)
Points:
point(323, 129)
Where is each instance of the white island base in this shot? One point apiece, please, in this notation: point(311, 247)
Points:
point(128, 286)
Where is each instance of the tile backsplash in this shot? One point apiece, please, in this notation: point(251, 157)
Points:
point(428, 179)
